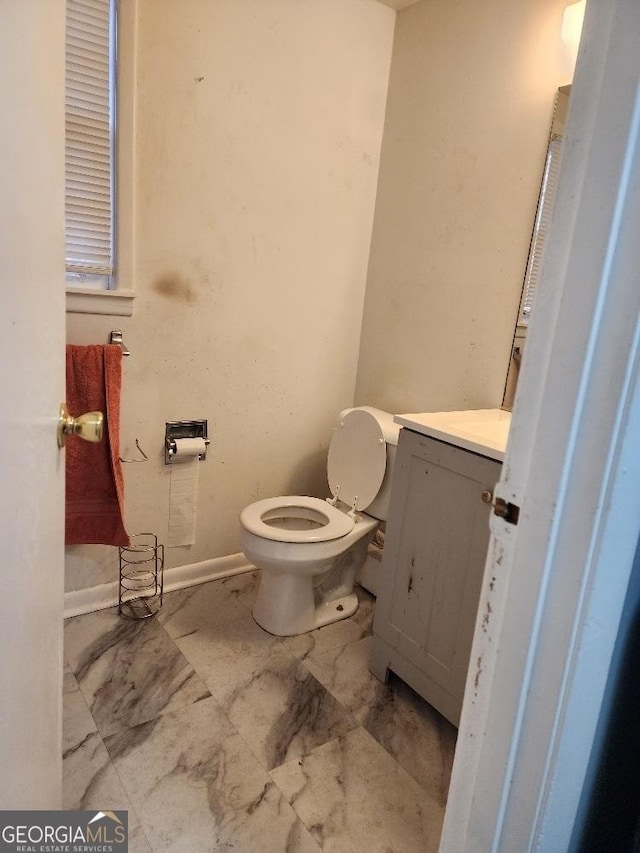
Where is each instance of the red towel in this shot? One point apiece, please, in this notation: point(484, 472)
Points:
point(94, 484)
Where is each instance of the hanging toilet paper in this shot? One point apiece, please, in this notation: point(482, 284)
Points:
point(183, 499)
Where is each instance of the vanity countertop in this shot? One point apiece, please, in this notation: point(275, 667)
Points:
point(483, 431)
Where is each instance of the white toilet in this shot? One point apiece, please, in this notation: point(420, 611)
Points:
point(309, 550)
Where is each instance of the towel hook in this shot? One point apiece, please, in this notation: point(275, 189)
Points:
point(116, 338)
point(144, 459)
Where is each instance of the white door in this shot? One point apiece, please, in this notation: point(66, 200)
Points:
point(31, 387)
point(555, 583)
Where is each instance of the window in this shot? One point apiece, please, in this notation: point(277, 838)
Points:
point(90, 143)
point(100, 163)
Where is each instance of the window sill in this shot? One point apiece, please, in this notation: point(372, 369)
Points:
point(117, 303)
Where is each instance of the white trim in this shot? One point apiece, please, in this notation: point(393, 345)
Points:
point(602, 598)
point(83, 300)
point(126, 145)
point(101, 597)
point(555, 585)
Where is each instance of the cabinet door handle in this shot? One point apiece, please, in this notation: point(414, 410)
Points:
point(487, 496)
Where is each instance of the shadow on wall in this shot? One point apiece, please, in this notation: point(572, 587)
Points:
point(309, 477)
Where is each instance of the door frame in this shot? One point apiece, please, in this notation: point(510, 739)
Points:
point(555, 584)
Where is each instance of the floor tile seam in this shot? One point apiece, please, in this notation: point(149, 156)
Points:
point(312, 655)
point(391, 755)
point(239, 598)
point(347, 711)
point(89, 708)
point(86, 705)
point(111, 765)
point(137, 816)
point(307, 825)
point(123, 727)
point(96, 775)
point(236, 618)
point(337, 651)
point(214, 623)
point(418, 790)
point(204, 676)
point(252, 752)
point(247, 607)
point(403, 771)
point(359, 724)
point(349, 717)
point(328, 689)
point(178, 711)
point(142, 833)
point(208, 680)
point(259, 764)
point(345, 708)
point(291, 655)
point(310, 752)
point(204, 629)
point(318, 663)
point(299, 759)
point(363, 724)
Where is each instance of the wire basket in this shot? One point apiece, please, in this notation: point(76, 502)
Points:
point(141, 577)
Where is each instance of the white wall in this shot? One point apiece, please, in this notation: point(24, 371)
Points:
point(470, 102)
point(258, 134)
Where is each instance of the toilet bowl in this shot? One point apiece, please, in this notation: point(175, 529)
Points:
point(309, 550)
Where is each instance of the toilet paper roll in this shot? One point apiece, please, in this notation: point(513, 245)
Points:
point(183, 494)
point(187, 448)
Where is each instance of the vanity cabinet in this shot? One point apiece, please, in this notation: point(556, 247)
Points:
point(432, 565)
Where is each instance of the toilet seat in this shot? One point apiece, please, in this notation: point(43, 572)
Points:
point(334, 523)
point(357, 459)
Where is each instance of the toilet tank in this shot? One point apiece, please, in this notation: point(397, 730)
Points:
point(361, 459)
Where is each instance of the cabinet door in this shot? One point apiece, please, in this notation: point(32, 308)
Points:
point(433, 561)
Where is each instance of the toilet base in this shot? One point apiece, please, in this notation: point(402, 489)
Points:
point(334, 611)
point(284, 623)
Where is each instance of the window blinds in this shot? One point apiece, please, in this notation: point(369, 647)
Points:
point(541, 226)
point(89, 148)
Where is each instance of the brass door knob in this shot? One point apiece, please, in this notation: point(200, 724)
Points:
point(486, 496)
point(88, 426)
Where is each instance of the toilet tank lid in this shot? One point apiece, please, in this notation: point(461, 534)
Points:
point(357, 459)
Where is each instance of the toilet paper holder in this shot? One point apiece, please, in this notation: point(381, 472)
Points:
point(183, 429)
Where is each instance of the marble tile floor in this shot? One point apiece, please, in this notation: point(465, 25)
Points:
point(217, 736)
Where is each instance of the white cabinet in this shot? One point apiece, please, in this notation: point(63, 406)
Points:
point(433, 560)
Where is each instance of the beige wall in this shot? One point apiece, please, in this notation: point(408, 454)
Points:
point(258, 135)
point(470, 102)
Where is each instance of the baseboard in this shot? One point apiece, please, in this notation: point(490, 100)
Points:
point(79, 601)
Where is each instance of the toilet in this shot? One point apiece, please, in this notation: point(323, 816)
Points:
point(309, 550)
